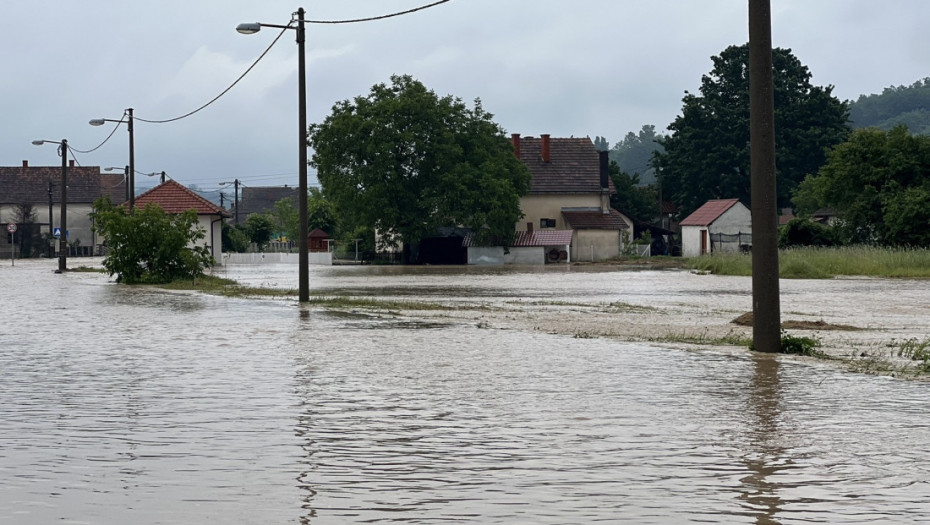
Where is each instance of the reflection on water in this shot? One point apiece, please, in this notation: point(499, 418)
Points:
point(135, 405)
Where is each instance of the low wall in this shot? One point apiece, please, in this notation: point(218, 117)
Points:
point(495, 255)
point(320, 258)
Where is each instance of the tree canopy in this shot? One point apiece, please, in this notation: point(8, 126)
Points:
point(149, 245)
point(878, 184)
point(634, 154)
point(407, 161)
point(632, 199)
point(707, 154)
point(894, 106)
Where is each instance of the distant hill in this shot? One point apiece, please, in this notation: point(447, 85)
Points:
point(909, 105)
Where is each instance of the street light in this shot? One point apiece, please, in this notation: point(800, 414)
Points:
point(63, 238)
point(125, 176)
point(132, 154)
point(303, 257)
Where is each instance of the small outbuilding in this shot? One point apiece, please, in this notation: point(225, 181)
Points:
point(318, 241)
point(719, 225)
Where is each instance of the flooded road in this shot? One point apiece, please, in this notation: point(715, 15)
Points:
point(136, 405)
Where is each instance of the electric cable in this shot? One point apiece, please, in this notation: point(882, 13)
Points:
point(373, 18)
point(214, 99)
point(104, 140)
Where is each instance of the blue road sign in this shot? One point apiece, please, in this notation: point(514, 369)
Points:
point(56, 232)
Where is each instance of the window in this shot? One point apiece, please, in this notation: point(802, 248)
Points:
point(547, 223)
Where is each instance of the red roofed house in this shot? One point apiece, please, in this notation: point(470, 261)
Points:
point(174, 197)
point(728, 218)
point(570, 191)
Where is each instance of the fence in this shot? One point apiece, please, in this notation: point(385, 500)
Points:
point(731, 242)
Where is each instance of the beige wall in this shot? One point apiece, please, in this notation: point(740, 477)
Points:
point(537, 207)
point(595, 245)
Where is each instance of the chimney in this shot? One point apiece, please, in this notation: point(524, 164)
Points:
point(25, 163)
point(71, 163)
point(604, 161)
point(546, 157)
point(516, 144)
point(529, 227)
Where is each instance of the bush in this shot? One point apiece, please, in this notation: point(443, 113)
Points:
point(235, 239)
point(148, 245)
point(805, 232)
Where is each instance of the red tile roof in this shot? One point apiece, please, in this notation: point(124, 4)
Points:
point(709, 212)
point(595, 220)
point(174, 197)
point(574, 166)
point(318, 234)
point(524, 239)
point(543, 238)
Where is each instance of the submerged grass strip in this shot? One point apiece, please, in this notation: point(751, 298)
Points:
point(824, 263)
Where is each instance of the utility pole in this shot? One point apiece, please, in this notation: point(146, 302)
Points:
point(236, 188)
point(222, 202)
point(63, 240)
point(766, 326)
point(50, 221)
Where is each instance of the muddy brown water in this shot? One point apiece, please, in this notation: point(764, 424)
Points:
point(136, 405)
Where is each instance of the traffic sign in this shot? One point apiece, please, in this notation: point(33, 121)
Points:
point(56, 232)
point(11, 228)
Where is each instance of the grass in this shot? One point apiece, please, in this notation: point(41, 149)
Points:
point(731, 338)
point(825, 263)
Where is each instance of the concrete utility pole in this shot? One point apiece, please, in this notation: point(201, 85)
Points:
point(766, 326)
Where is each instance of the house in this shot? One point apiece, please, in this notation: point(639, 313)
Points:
point(261, 199)
point(30, 197)
point(718, 225)
point(318, 241)
point(570, 191)
point(174, 197)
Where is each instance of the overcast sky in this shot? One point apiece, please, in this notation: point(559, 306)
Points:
point(567, 68)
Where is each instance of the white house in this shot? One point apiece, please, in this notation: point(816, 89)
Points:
point(718, 225)
point(173, 197)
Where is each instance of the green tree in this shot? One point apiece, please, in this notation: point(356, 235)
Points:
point(805, 232)
point(261, 229)
point(632, 199)
point(406, 161)
point(894, 106)
point(878, 184)
point(235, 239)
point(287, 217)
point(321, 212)
point(707, 154)
point(635, 153)
point(149, 245)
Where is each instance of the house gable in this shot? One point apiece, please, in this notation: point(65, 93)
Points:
point(174, 197)
point(709, 212)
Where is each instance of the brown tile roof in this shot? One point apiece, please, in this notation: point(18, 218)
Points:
point(22, 184)
point(573, 167)
point(317, 234)
point(709, 212)
point(261, 199)
point(595, 220)
point(174, 197)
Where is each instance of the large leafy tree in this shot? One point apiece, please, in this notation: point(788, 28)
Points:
point(261, 228)
point(635, 153)
point(707, 154)
point(878, 183)
point(149, 245)
point(407, 161)
point(632, 199)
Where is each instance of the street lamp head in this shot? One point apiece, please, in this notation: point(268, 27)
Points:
point(249, 28)
point(97, 122)
point(38, 142)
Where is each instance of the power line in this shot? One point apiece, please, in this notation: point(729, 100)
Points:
point(373, 18)
point(98, 146)
point(214, 99)
point(275, 41)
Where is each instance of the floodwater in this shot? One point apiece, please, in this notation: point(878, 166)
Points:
point(136, 405)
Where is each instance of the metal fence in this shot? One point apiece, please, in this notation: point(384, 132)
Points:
point(731, 242)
